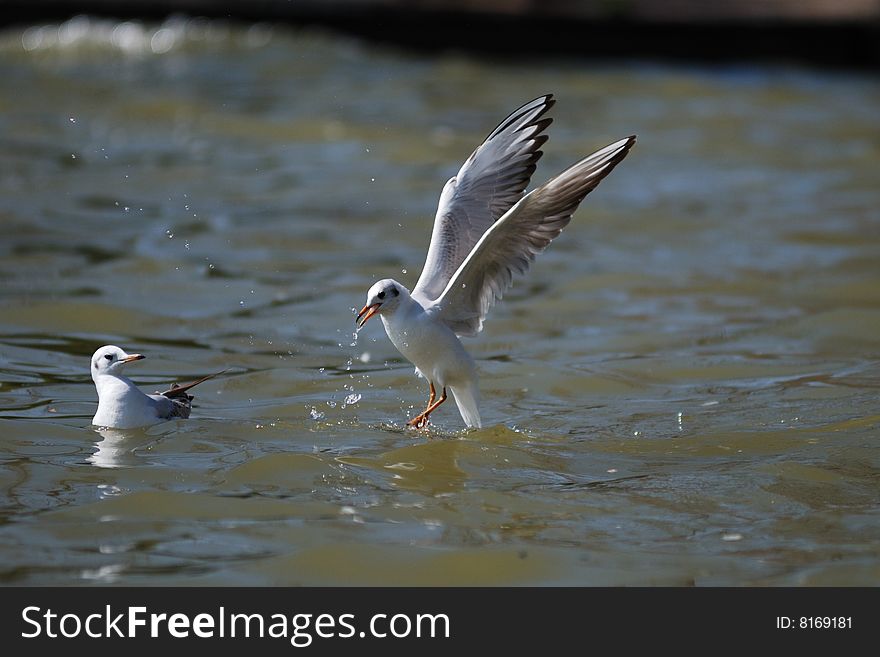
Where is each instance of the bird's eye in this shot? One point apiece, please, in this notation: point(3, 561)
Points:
point(381, 294)
point(108, 356)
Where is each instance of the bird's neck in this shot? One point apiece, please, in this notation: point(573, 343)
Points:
point(407, 310)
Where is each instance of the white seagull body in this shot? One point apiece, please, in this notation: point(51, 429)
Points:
point(121, 405)
point(485, 231)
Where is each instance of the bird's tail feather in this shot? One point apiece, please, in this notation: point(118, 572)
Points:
point(467, 398)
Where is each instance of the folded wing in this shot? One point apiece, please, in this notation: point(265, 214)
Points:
point(176, 401)
point(510, 244)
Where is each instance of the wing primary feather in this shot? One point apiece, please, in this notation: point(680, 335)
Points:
point(545, 102)
point(180, 390)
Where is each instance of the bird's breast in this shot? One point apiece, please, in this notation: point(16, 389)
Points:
point(429, 345)
point(122, 405)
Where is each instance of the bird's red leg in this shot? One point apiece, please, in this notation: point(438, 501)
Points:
point(422, 420)
point(417, 421)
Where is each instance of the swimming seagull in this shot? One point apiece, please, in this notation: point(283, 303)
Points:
point(485, 231)
point(122, 406)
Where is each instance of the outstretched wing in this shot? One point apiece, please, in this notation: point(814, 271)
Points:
point(510, 245)
point(488, 184)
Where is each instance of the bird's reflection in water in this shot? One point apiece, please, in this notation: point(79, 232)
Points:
point(119, 448)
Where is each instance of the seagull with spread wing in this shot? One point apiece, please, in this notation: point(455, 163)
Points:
point(486, 230)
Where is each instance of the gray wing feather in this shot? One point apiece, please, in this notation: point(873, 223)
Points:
point(488, 184)
point(510, 245)
point(175, 402)
point(171, 408)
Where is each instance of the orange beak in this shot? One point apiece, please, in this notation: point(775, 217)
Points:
point(365, 314)
point(132, 357)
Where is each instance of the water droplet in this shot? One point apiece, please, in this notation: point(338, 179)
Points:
point(73, 156)
point(315, 414)
point(353, 398)
point(403, 271)
point(167, 232)
point(186, 244)
point(72, 119)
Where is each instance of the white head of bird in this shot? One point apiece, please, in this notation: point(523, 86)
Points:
point(110, 360)
point(383, 298)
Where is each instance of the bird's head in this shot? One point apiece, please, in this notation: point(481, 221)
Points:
point(383, 298)
point(110, 360)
